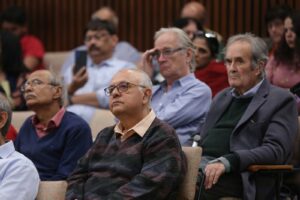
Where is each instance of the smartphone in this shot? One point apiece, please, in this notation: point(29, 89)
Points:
point(80, 60)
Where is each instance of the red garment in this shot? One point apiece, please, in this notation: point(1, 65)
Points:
point(32, 46)
point(11, 133)
point(55, 121)
point(214, 75)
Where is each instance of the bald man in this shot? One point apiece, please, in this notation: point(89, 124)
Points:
point(139, 158)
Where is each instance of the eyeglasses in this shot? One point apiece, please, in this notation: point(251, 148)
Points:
point(166, 52)
point(97, 36)
point(34, 83)
point(121, 87)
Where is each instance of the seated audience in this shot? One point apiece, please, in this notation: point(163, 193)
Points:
point(181, 100)
point(197, 11)
point(189, 25)
point(14, 20)
point(85, 87)
point(283, 69)
point(139, 158)
point(19, 178)
point(275, 24)
point(53, 139)
point(208, 69)
point(11, 132)
point(252, 122)
point(123, 50)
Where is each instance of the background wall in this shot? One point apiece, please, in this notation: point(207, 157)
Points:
point(60, 23)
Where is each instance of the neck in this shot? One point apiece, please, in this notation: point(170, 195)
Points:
point(98, 59)
point(45, 114)
point(128, 122)
point(2, 140)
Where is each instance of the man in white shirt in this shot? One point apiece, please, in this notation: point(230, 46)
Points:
point(19, 178)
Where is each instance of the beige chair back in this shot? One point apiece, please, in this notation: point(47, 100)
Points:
point(55, 60)
point(52, 190)
point(188, 187)
point(101, 119)
point(19, 117)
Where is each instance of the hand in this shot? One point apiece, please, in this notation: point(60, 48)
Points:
point(146, 63)
point(79, 79)
point(213, 172)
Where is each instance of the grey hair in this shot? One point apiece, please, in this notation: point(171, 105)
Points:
point(56, 80)
point(5, 107)
point(184, 41)
point(258, 46)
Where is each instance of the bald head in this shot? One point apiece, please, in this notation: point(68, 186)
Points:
point(194, 10)
point(107, 14)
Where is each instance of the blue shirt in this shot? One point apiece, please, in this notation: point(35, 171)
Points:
point(99, 77)
point(184, 106)
point(19, 179)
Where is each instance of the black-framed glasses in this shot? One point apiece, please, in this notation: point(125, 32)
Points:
point(33, 83)
point(166, 53)
point(121, 87)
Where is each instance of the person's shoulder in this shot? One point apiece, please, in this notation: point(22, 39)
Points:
point(124, 45)
point(74, 120)
point(19, 159)
point(196, 85)
point(30, 38)
point(162, 128)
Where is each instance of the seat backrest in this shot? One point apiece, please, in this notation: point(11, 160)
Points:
point(102, 118)
point(50, 190)
point(19, 117)
point(296, 156)
point(55, 60)
point(188, 187)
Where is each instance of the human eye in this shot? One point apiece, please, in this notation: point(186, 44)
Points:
point(123, 86)
point(36, 82)
point(167, 52)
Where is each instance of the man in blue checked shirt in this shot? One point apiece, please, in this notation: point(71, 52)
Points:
point(181, 100)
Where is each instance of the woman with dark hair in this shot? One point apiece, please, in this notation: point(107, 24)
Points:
point(208, 69)
point(188, 25)
point(283, 69)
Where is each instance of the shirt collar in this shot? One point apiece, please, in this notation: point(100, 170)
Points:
point(107, 62)
point(6, 149)
point(180, 82)
point(250, 93)
point(54, 121)
point(140, 128)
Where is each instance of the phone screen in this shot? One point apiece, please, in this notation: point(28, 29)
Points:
point(80, 60)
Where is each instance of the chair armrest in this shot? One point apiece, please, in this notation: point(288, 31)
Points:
point(279, 168)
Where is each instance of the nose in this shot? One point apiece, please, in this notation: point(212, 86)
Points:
point(115, 93)
point(160, 57)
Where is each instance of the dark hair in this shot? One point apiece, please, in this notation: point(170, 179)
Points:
point(15, 15)
point(277, 12)
point(97, 25)
point(211, 40)
point(184, 21)
point(284, 54)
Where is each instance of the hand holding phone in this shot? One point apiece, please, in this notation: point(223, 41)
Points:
point(80, 60)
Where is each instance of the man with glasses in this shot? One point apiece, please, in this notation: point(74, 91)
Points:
point(85, 87)
point(138, 158)
point(181, 100)
point(18, 176)
point(53, 139)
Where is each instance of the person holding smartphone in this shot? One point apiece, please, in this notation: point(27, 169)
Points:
point(88, 78)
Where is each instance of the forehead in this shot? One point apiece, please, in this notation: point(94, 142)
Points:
point(126, 75)
point(94, 32)
point(239, 49)
point(166, 40)
point(288, 22)
point(40, 75)
point(200, 42)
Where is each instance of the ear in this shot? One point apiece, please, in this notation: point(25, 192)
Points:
point(3, 118)
point(260, 66)
point(147, 95)
point(189, 54)
point(114, 39)
point(57, 94)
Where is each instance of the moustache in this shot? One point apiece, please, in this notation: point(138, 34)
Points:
point(93, 47)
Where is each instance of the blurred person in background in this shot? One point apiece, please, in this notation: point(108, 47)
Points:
point(208, 69)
